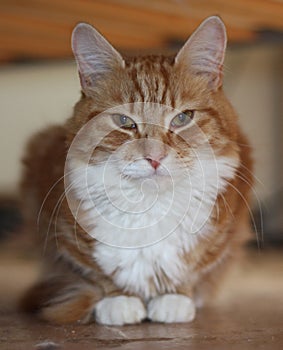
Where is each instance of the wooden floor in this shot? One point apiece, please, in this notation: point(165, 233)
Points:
point(248, 314)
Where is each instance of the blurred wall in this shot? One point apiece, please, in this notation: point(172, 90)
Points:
point(31, 97)
point(34, 96)
point(254, 84)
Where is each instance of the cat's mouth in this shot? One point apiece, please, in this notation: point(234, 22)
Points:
point(145, 168)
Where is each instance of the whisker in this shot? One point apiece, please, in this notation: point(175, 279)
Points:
point(253, 175)
point(217, 212)
point(111, 161)
point(250, 212)
point(57, 207)
point(60, 179)
point(244, 179)
point(227, 206)
point(258, 204)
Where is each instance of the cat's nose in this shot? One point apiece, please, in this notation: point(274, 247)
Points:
point(154, 163)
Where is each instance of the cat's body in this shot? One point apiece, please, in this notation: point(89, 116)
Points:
point(161, 203)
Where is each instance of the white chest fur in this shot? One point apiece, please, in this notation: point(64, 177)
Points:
point(146, 271)
point(141, 244)
point(144, 228)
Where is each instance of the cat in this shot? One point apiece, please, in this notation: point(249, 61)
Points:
point(142, 196)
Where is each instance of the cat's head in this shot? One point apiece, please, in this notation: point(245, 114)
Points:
point(153, 112)
point(155, 117)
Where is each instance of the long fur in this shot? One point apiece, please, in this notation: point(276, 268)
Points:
point(96, 249)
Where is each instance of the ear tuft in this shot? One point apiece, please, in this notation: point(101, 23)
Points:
point(204, 51)
point(95, 56)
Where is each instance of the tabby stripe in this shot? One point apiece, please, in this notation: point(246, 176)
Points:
point(166, 84)
point(137, 86)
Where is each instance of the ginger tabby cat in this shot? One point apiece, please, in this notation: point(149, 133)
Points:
point(142, 195)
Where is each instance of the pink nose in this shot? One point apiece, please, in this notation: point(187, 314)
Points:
point(154, 163)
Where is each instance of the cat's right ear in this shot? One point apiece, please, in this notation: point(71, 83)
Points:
point(95, 56)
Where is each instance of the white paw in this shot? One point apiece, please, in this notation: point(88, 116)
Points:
point(119, 310)
point(171, 308)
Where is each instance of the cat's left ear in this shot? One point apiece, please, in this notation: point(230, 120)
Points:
point(204, 51)
point(95, 56)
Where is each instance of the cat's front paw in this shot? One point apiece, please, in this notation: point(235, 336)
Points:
point(171, 308)
point(120, 310)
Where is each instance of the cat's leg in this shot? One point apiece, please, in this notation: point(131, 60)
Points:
point(59, 301)
point(120, 310)
point(171, 308)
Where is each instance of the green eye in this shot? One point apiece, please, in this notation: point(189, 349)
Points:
point(124, 122)
point(182, 119)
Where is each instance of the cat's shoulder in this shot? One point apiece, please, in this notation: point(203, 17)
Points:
point(44, 159)
point(47, 141)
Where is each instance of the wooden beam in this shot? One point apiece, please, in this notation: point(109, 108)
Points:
point(42, 28)
point(124, 19)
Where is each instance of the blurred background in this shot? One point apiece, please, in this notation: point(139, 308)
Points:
point(39, 86)
point(39, 83)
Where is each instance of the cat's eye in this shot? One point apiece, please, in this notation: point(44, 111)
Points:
point(124, 121)
point(182, 119)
